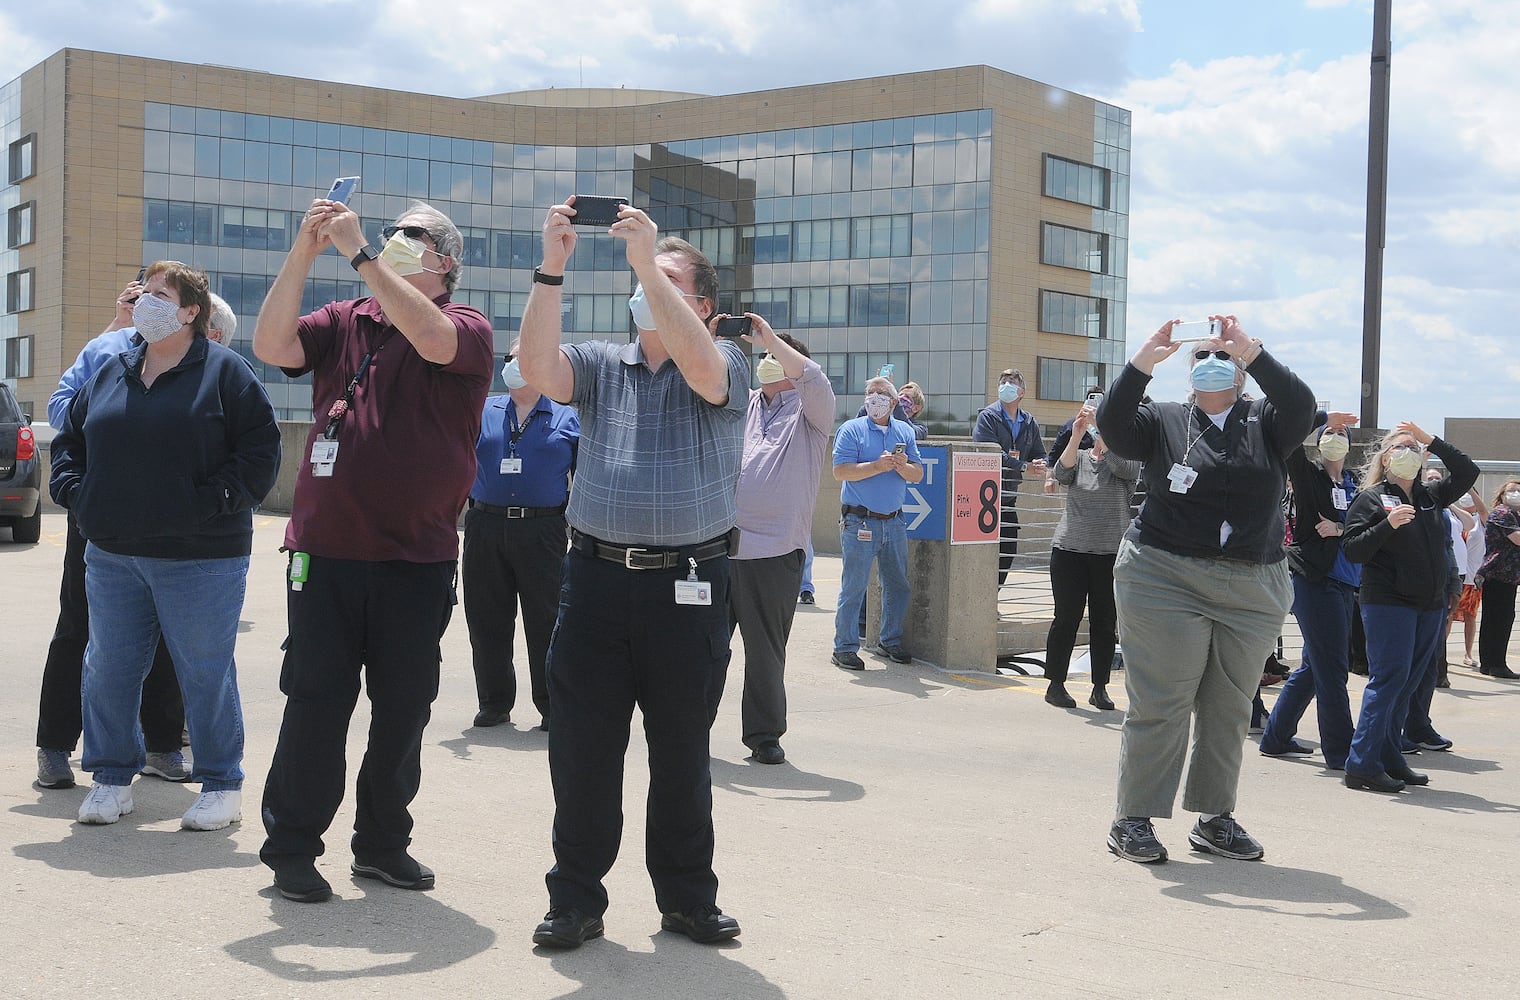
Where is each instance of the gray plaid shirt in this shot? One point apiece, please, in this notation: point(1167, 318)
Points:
point(658, 464)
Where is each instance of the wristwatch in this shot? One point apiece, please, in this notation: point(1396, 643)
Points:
point(366, 252)
point(547, 279)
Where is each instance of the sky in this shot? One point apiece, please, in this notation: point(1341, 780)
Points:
point(1248, 193)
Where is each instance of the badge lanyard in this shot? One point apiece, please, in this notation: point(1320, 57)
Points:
point(512, 465)
point(341, 406)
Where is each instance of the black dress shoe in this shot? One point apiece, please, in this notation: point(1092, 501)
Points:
point(704, 924)
point(1409, 776)
point(1503, 673)
point(769, 752)
point(396, 868)
point(567, 927)
point(488, 717)
point(1056, 695)
point(1100, 700)
point(1380, 782)
point(297, 879)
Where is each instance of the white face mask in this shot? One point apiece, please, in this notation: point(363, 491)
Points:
point(643, 316)
point(878, 405)
point(1512, 499)
point(404, 255)
point(155, 318)
point(512, 376)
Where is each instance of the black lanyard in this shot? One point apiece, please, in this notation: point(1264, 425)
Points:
point(341, 407)
point(517, 432)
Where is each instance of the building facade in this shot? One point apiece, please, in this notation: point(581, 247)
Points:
point(951, 223)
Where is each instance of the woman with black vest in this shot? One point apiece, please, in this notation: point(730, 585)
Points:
point(1396, 530)
point(1200, 579)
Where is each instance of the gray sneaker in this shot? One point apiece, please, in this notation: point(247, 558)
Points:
point(170, 766)
point(1226, 838)
point(53, 769)
point(1134, 839)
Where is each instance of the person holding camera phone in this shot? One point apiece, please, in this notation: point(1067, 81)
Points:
point(1201, 583)
point(643, 615)
point(399, 379)
point(875, 457)
point(1093, 521)
point(786, 438)
point(1017, 433)
point(1396, 528)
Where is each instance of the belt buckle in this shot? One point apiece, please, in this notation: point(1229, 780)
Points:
point(517, 513)
point(628, 555)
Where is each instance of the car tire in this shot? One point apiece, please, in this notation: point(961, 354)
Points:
point(25, 530)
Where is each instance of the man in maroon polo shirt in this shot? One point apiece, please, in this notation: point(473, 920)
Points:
point(398, 383)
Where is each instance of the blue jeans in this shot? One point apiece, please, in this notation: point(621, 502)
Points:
point(1397, 638)
point(888, 546)
point(807, 569)
point(195, 604)
point(1323, 609)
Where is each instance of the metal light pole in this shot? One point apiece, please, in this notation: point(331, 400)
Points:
point(1377, 211)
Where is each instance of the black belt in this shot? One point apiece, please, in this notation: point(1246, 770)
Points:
point(867, 512)
point(644, 557)
point(516, 512)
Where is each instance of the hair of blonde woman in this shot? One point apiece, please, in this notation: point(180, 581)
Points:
point(1503, 488)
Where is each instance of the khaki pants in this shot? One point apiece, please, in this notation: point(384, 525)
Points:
point(1195, 633)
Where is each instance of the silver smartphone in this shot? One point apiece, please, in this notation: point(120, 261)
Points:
point(343, 189)
point(1195, 331)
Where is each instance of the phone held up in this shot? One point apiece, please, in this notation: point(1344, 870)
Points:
point(1195, 331)
point(733, 326)
point(595, 210)
point(342, 189)
point(140, 272)
point(899, 448)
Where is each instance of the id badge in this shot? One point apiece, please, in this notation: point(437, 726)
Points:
point(1338, 497)
point(324, 452)
point(322, 469)
point(697, 592)
point(1389, 502)
point(1181, 477)
point(863, 534)
point(511, 466)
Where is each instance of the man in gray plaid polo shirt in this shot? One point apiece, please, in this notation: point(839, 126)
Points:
point(643, 616)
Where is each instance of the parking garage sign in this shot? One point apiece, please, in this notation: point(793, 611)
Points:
point(975, 501)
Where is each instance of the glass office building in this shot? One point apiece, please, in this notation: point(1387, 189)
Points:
point(950, 223)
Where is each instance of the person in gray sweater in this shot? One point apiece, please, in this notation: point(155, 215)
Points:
point(1098, 487)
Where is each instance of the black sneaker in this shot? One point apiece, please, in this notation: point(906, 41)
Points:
point(567, 927)
point(396, 868)
point(806, 597)
point(1437, 743)
point(847, 659)
point(1134, 839)
point(297, 879)
point(1292, 748)
point(895, 653)
point(704, 924)
point(769, 752)
point(1226, 838)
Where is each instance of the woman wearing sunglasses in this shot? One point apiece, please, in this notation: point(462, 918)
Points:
point(1201, 583)
point(1395, 529)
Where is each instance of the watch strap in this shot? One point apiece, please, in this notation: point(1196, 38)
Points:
point(547, 279)
point(366, 252)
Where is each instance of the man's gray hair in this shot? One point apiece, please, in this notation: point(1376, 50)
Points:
point(223, 319)
point(446, 237)
point(880, 383)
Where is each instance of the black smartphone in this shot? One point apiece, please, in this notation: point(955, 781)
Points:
point(140, 272)
point(733, 326)
point(899, 448)
point(594, 210)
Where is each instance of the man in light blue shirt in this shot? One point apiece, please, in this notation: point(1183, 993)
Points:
point(875, 457)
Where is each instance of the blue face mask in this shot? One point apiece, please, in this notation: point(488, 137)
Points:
point(1009, 392)
point(1214, 375)
point(643, 316)
point(512, 375)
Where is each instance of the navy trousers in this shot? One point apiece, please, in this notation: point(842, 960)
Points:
point(1323, 609)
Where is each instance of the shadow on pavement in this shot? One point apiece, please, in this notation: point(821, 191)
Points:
point(1268, 888)
point(506, 736)
point(782, 781)
point(676, 968)
point(385, 932)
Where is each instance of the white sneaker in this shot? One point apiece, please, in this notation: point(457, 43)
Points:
point(106, 803)
point(214, 810)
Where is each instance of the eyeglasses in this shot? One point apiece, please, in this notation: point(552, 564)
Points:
point(1221, 355)
point(414, 232)
point(1407, 447)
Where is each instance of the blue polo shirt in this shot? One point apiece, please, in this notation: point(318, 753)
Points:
point(861, 440)
point(546, 440)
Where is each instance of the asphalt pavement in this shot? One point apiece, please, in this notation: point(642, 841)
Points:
point(930, 835)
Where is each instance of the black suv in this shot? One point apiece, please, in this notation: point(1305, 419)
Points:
point(20, 472)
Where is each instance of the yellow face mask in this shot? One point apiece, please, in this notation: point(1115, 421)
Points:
point(768, 370)
point(404, 255)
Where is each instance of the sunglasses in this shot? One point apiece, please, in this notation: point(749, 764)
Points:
point(413, 232)
point(1221, 355)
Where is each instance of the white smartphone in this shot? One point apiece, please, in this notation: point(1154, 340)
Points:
point(1195, 331)
point(1094, 398)
point(343, 189)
